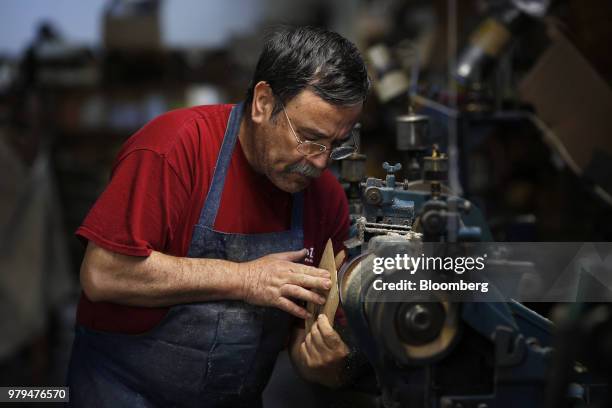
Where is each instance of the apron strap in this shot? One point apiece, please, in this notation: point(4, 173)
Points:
point(297, 212)
point(213, 198)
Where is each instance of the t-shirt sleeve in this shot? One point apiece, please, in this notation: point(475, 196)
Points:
point(139, 209)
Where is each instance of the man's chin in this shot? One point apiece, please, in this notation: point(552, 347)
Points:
point(292, 183)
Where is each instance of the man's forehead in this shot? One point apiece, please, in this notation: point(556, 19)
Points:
point(316, 115)
point(307, 97)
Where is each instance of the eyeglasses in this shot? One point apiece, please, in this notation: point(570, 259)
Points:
point(309, 148)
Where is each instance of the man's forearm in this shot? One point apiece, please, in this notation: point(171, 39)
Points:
point(157, 280)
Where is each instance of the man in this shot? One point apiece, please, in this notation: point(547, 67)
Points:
point(192, 276)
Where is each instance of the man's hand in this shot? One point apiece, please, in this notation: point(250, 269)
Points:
point(274, 279)
point(320, 355)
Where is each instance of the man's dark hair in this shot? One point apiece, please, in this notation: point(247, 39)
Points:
point(298, 58)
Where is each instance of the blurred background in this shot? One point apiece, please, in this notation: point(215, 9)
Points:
point(516, 91)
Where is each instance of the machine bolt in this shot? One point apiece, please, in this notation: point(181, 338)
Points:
point(418, 317)
point(373, 196)
point(392, 168)
point(467, 206)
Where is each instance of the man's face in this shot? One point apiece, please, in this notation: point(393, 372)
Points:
point(314, 120)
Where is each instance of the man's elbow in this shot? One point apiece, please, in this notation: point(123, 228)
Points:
point(95, 281)
point(92, 283)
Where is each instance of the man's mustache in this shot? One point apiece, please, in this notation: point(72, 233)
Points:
point(304, 169)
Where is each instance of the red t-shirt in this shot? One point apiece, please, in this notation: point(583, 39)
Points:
point(158, 185)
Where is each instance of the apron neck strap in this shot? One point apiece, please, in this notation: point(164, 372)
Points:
point(213, 198)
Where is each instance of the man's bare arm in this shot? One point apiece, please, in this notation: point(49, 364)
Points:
point(164, 280)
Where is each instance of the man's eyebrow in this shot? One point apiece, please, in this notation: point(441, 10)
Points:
point(313, 132)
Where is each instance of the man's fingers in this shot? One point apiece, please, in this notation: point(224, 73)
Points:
point(310, 347)
point(305, 353)
point(317, 339)
point(309, 282)
point(324, 325)
point(329, 336)
point(311, 270)
point(291, 256)
point(299, 292)
point(290, 307)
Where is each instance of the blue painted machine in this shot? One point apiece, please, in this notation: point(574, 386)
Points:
point(439, 353)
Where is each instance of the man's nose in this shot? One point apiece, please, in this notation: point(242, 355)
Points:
point(319, 161)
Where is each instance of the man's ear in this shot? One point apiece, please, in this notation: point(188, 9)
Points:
point(263, 102)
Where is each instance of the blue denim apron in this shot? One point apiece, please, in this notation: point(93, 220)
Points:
point(210, 354)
